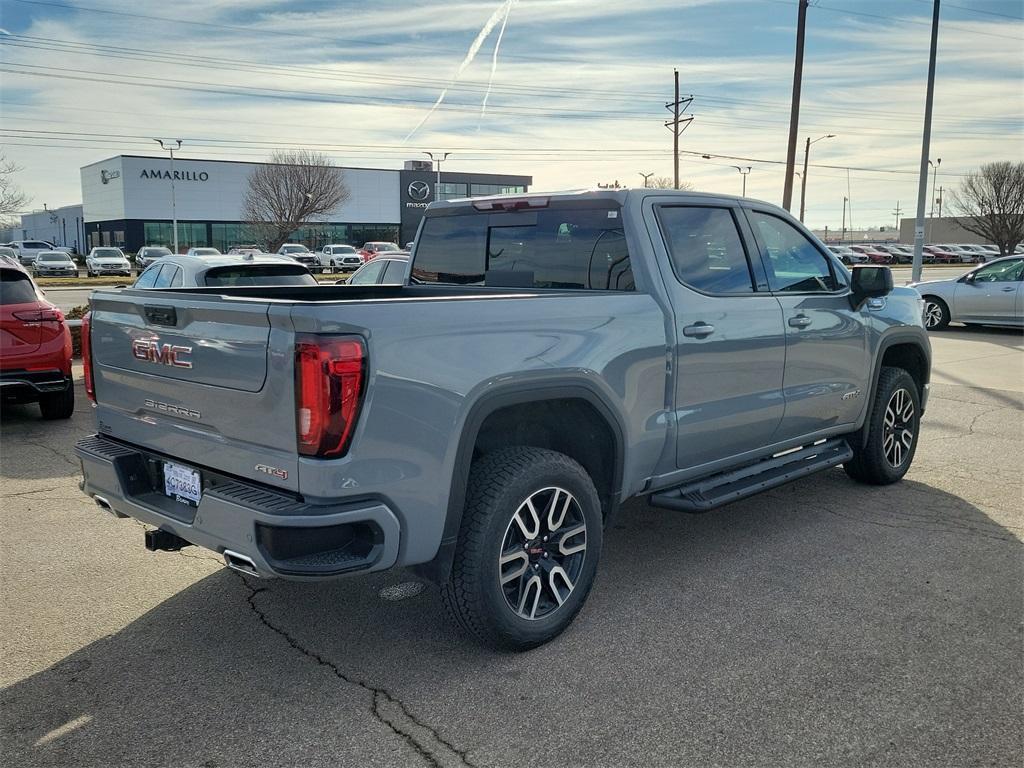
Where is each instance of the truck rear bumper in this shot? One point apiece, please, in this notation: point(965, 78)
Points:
point(257, 529)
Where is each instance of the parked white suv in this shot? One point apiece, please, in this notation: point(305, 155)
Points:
point(107, 261)
point(343, 258)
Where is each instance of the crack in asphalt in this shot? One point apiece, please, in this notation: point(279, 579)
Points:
point(437, 752)
point(934, 525)
point(59, 454)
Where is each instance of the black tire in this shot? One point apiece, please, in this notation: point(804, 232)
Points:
point(58, 405)
point(880, 462)
point(500, 483)
point(936, 313)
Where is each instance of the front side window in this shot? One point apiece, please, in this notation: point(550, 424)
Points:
point(705, 249)
point(369, 274)
point(794, 263)
point(148, 278)
point(1008, 271)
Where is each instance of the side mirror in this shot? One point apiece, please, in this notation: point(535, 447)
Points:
point(969, 277)
point(869, 282)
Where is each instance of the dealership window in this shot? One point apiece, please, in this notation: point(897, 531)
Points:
point(190, 234)
point(449, 191)
point(479, 190)
point(552, 248)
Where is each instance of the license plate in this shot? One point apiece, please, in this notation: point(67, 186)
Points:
point(182, 484)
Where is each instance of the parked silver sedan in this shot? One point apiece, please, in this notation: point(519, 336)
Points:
point(991, 294)
point(205, 271)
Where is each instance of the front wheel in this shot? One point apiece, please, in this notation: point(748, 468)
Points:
point(893, 427)
point(528, 548)
point(936, 313)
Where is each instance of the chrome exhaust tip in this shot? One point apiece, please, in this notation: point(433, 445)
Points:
point(240, 563)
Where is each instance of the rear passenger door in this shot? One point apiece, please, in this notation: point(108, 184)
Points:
point(827, 367)
point(730, 345)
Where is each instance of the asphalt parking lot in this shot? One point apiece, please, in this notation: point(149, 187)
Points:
point(824, 623)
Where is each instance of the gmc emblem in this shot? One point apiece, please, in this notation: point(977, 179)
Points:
point(152, 351)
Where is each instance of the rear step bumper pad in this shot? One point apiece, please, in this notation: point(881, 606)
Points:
point(710, 492)
point(229, 515)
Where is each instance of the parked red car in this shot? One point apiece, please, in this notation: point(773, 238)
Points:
point(35, 347)
point(933, 254)
point(874, 255)
point(370, 250)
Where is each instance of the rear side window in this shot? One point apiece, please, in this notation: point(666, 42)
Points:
point(269, 274)
point(705, 249)
point(394, 272)
point(557, 247)
point(16, 288)
point(148, 278)
point(368, 274)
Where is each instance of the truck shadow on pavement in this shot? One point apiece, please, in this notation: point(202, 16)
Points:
point(821, 623)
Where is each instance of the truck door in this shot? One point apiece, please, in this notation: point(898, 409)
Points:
point(827, 367)
point(729, 338)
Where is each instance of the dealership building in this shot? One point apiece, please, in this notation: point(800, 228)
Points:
point(126, 202)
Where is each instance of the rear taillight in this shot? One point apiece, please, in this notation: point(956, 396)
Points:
point(90, 384)
point(48, 315)
point(329, 376)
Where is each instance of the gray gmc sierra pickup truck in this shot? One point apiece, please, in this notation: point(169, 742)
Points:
point(549, 357)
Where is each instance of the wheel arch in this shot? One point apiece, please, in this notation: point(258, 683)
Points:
point(598, 445)
point(901, 350)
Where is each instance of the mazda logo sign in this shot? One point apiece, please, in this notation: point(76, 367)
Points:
point(419, 190)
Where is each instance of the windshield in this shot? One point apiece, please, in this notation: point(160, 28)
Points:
point(260, 274)
point(384, 247)
point(61, 257)
point(154, 252)
point(205, 252)
point(108, 253)
point(344, 249)
point(294, 249)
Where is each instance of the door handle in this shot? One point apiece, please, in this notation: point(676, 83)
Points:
point(800, 321)
point(1010, 288)
point(698, 330)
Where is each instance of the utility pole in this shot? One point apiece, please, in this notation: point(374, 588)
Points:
point(803, 177)
point(931, 206)
point(940, 202)
point(794, 114)
point(922, 187)
point(677, 125)
point(743, 173)
point(441, 156)
point(174, 207)
point(843, 238)
point(647, 177)
point(897, 213)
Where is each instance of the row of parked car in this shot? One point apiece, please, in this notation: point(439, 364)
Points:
point(46, 260)
point(893, 253)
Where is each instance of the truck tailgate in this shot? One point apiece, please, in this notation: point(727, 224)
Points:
point(187, 376)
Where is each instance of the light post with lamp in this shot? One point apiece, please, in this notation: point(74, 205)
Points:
point(174, 210)
point(744, 172)
point(441, 157)
point(803, 179)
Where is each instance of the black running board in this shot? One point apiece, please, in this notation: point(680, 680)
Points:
point(710, 492)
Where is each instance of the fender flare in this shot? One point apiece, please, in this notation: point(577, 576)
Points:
point(494, 399)
point(889, 340)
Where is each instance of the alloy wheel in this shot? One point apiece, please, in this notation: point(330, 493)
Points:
point(932, 314)
point(898, 429)
point(542, 553)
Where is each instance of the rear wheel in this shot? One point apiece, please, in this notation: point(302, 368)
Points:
point(936, 313)
point(528, 548)
point(58, 405)
point(893, 426)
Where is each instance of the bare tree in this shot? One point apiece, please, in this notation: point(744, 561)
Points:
point(667, 182)
point(991, 201)
point(12, 199)
point(289, 191)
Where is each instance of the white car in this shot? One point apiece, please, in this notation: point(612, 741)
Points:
point(107, 261)
point(28, 249)
point(203, 251)
point(54, 264)
point(340, 258)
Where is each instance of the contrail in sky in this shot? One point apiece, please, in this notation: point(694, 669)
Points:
point(492, 22)
point(494, 60)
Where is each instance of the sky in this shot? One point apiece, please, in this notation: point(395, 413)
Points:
point(578, 91)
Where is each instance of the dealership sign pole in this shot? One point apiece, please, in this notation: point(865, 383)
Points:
point(174, 208)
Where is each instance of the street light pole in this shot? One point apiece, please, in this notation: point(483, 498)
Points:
point(174, 207)
point(803, 179)
point(743, 173)
point(442, 156)
point(922, 188)
point(647, 177)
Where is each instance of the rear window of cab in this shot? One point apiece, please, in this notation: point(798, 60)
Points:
point(560, 247)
